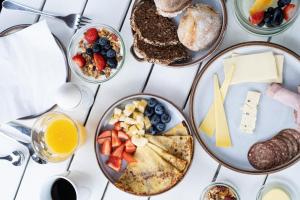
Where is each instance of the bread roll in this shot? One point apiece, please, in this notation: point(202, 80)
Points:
point(171, 8)
point(199, 27)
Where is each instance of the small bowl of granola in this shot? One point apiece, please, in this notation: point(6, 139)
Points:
point(96, 53)
point(220, 191)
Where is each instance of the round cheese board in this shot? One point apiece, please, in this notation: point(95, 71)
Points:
point(251, 149)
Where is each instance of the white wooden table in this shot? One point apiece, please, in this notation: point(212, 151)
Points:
point(135, 77)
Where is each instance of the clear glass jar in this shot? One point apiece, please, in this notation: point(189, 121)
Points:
point(280, 184)
point(242, 8)
point(73, 49)
point(51, 144)
point(225, 184)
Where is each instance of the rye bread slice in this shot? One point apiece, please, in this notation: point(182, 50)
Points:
point(152, 27)
point(164, 55)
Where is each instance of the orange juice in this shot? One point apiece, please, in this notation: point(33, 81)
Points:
point(61, 136)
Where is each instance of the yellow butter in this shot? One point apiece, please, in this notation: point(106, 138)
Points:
point(222, 130)
point(208, 124)
point(276, 194)
point(259, 67)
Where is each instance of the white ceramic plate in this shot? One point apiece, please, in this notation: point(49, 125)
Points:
point(176, 118)
point(272, 116)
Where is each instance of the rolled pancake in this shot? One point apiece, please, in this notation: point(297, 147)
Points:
point(149, 175)
point(179, 129)
point(178, 163)
point(179, 146)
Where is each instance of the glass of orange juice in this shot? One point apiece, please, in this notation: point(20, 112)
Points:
point(55, 136)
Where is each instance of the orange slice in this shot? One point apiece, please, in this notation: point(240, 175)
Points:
point(260, 5)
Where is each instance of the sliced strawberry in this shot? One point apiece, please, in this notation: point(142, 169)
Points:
point(106, 148)
point(79, 60)
point(114, 163)
point(257, 18)
point(102, 140)
point(129, 158)
point(118, 151)
point(122, 135)
point(91, 35)
point(289, 11)
point(129, 147)
point(117, 126)
point(99, 61)
point(105, 134)
point(114, 139)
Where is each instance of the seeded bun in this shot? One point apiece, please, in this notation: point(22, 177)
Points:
point(199, 27)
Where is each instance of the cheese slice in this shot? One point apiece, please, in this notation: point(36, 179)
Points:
point(260, 67)
point(222, 130)
point(208, 124)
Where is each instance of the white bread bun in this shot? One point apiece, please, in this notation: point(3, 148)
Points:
point(171, 8)
point(199, 27)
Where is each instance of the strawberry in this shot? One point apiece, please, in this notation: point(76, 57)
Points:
point(257, 18)
point(91, 35)
point(105, 134)
point(106, 148)
point(129, 147)
point(79, 60)
point(114, 163)
point(289, 11)
point(118, 151)
point(100, 61)
point(129, 158)
point(117, 126)
point(122, 135)
point(102, 140)
point(114, 139)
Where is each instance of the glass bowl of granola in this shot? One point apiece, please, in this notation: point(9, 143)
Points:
point(220, 191)
point(96, 53)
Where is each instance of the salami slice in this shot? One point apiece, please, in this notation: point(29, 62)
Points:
point(261, 156)
point(277, 150)
point(286, 133)
point(296, 135)
point(289, 145)
point(284, 151)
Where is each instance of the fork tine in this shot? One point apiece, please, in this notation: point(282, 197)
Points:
point(86, 18)
point(84, 21)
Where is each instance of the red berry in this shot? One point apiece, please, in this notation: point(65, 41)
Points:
point(91, 35)
point(79, 60)
point(289, 11)
point(100, 61)
point(257, 18)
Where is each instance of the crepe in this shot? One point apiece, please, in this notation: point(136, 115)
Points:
point(179, 146)
point(173, 160)
point(149, 175)
point(179, 129)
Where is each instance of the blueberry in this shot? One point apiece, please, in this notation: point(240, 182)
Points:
point(152, 102)
point(282, 3)
point(155, 119)
point(112, 63)
point(261, 24)
point(270, 10)
point(107, 47)
point(159, 109)
point(152, 130)
point(89, 51)
point(96, 48)
point(278, 17)
point(268, 19)
point(103, 52)
point(165, 118)
point(103, 41)
point(149, 111)
point(161, 127)
point(111, 53)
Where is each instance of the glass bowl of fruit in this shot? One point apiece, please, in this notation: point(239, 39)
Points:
point(96, 53)
point(266, 17)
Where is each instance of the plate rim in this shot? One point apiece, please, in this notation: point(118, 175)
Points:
point(192, 117)
point(215, 45)
point(19, 27)
point(137, 95)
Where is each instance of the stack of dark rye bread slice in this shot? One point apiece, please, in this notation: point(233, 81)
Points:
point(155, 36)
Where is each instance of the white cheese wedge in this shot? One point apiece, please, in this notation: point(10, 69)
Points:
point(222, 131)
point(260, 67)
point(249, 112)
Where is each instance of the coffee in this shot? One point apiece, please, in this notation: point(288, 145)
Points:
point(62, 189)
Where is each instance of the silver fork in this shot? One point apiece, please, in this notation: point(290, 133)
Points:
point(73, 21)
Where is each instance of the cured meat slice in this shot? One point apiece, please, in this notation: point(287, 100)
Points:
point(289, 145)
point(292, 139)
point(261, 156)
